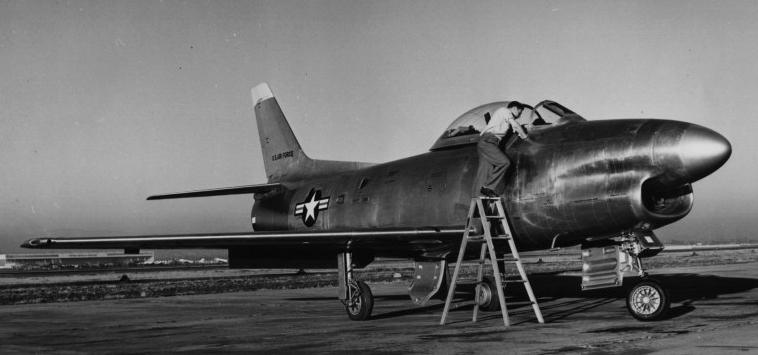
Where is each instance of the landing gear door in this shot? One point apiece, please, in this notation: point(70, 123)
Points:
point(604, 267)
point(649, 244)
point(428, 278)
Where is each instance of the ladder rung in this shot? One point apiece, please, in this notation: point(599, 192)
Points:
point(478, 239)
point(481, 236)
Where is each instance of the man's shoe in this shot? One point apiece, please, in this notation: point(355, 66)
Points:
point(487, 192)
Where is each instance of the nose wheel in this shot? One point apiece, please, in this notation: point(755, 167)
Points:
point(648, 301)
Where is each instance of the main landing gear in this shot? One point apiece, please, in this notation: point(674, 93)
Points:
point(354, 294)
point(361, 301)
point(487, 290)
point(604, 266)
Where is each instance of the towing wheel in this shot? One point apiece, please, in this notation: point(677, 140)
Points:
point(360, 305)
point(648, 301)
point(488, 299)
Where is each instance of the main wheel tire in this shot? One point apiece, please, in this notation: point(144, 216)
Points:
point(648, 301)
point(488, 299)
point(362, 303)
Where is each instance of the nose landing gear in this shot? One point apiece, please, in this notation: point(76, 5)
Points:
point(604, 265)
point(647, 300)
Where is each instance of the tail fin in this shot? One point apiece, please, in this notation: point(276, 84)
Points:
point(282, 154)
point(283, 158)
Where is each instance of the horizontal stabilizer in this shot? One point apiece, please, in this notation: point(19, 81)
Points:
point(237, 190)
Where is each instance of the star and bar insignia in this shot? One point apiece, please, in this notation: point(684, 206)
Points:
point(310, 208)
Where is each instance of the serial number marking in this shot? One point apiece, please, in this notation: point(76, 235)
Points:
point(276, 157)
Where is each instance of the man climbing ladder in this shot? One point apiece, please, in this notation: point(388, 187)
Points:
point(493, 163)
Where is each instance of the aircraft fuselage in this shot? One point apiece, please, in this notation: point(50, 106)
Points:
point(569, 182)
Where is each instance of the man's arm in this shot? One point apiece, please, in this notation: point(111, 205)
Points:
point(517, 128)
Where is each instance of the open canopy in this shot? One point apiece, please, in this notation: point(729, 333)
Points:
point(468, 126)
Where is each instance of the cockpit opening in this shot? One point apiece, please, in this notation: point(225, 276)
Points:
point(467, 127)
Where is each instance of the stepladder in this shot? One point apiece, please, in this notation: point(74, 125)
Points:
point(488, 214)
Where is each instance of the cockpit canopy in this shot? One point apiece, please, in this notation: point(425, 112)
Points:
point(467, 128)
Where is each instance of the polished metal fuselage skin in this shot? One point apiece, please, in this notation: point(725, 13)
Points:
point(593, 179)
point(569, 182)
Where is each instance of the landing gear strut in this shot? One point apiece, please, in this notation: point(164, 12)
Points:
point(354, 294)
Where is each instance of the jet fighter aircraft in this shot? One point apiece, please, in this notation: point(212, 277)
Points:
point(604, 185)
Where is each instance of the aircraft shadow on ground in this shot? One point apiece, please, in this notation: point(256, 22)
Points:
point(684, 290)
point(681, 287)
point(562, 296)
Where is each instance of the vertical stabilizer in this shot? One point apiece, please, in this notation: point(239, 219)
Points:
point(282, 155)
point(283, 158)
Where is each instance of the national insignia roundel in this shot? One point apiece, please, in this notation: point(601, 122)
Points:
point(310, 208)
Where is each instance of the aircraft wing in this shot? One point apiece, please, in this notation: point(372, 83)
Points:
point(394, 237)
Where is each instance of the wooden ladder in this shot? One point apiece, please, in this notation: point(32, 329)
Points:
point(495, 206)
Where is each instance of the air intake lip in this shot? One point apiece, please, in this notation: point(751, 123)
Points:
point(666, 203)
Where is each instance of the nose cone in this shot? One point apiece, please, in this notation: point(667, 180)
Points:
point(702, 151)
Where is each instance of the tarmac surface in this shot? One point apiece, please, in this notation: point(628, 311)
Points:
point(714, 311)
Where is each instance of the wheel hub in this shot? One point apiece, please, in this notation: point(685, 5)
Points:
point(646, 300)
point(484, 294)
point(354, 305)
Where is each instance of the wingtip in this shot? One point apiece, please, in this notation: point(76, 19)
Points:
point(261, 92)
point(35, 243)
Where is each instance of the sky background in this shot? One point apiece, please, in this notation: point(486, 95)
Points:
point(105, 103)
